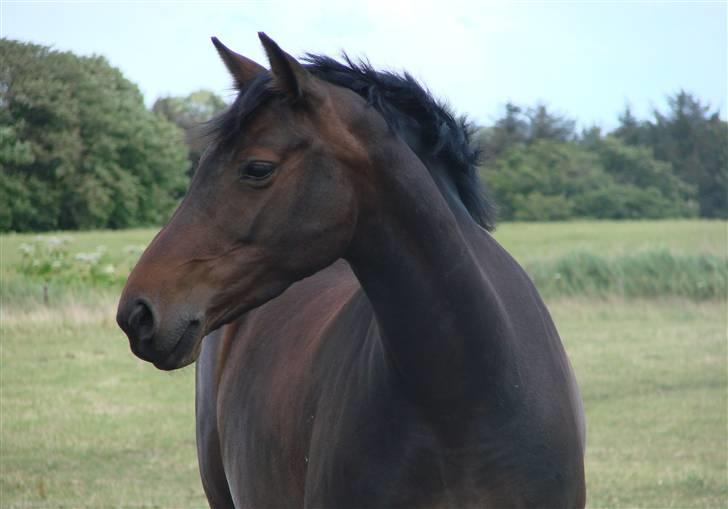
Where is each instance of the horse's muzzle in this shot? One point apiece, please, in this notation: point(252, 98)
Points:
point(165, 349)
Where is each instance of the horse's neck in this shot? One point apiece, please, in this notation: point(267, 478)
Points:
point(438, 314)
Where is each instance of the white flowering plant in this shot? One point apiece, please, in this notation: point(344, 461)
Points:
point(49, 258)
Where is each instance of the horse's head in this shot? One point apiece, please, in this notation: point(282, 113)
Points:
point(271, 202)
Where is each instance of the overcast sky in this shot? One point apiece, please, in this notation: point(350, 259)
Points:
point(583, 59)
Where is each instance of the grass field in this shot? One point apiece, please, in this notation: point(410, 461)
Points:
point(638, 259)
point(542, 242)
point(528, 242)
point(83, 423)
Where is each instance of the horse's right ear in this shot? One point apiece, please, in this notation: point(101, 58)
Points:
point(241, 68)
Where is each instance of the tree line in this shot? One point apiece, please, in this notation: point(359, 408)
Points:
point(673, 165)
point(79, 150)
point(78, 147)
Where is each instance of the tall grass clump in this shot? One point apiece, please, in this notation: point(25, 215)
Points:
point(647, 274)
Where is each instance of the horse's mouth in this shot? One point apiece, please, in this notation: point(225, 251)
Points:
point(186, 349)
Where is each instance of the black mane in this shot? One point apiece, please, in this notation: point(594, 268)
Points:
point(399, 97)
point(401, 100)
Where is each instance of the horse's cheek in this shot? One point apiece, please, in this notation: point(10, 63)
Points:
point(319, 221)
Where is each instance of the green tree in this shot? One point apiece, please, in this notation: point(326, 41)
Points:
point(78, 147)
point(630, 130)
point(189, 111)
point(508, 130)
point(519, 126)
point(539, 181)
point(553, 180)
point(591, 137)
point(635, 166)
point(695, 141)
point(544, 125)
point(190, 114)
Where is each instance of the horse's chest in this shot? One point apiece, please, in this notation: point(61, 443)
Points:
point(336, 438)
point(319, 435)
point(265, 424)
point(332, 457)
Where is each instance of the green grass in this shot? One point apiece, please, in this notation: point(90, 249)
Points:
point(526, 241)
point(678, 258)
point(682, 258)
point(86, 424)
point(543, 242)
point(653, 380)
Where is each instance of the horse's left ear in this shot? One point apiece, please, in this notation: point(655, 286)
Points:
point(289, 76)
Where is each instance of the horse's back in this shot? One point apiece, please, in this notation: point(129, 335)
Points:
point(551, 418)
point(535, 342)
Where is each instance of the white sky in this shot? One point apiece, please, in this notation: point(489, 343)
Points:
point(583, 59)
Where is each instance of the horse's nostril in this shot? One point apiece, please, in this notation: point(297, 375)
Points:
point(141, 322)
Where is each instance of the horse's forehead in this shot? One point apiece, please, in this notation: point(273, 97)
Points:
point(274, 126)
point(279, 125)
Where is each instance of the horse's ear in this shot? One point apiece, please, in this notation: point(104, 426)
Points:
point(289, 76)
point(241, 68)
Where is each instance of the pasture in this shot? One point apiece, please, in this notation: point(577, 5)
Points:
point(86, 424)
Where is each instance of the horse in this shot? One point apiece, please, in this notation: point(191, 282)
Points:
point(361, 339)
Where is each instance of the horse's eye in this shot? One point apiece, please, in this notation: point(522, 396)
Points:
point(257, 170)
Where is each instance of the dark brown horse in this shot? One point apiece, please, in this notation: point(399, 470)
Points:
point(367, 344)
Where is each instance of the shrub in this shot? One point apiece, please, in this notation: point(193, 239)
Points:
point(48, 259)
